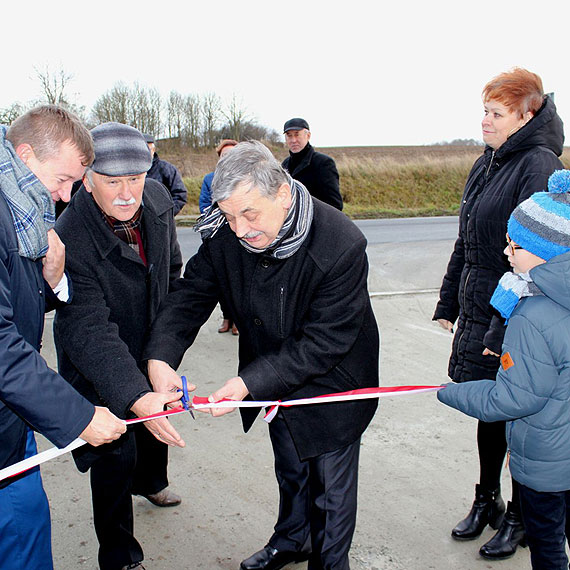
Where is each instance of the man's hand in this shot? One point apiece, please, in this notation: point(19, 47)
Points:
point(151, 403)
point(447, 325)
point(104, 427)
point(163, 378)
point(54, 260)
point(233, 389)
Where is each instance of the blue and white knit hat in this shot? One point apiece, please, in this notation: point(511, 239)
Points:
point(541, 224)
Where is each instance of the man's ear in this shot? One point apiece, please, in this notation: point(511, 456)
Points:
point(86, 183)
point(284, 195)
point(25, 152)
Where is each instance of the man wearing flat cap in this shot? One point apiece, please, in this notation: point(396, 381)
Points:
point(122, 256)
point(315, 170)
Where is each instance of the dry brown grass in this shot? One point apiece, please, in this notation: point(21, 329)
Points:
point(375, 181)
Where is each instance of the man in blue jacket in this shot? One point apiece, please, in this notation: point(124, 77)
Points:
point(532, 388)
point(41, 155)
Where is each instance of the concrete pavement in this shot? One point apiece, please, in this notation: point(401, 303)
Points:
point(418, 457)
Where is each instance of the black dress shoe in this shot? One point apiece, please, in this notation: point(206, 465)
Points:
point(488, 509)
point(270, 558)
point(510, 535)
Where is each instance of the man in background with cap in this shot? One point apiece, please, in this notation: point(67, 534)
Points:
point(167, 174)
point(315, 170)
point(122, 255)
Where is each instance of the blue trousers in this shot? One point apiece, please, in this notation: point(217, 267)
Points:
point(546, 518)
point(25, 526)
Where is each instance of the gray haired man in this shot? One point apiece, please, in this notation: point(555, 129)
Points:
point(123, 256)
point(293, 272)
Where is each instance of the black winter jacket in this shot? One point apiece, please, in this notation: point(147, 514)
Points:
point(497, 183)
point(100, 336)
point(318, 173)
point(168, 175)
point(306, 326)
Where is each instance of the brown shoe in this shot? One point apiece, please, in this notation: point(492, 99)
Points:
point(226, 325)
point(235, 332)
point(164, 498)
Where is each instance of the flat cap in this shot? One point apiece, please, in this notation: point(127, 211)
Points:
point(120, 150)
point(296, 124)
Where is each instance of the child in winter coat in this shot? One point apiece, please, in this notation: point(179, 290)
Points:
point(532, 388)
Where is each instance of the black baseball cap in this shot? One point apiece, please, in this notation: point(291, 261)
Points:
point(296, 124)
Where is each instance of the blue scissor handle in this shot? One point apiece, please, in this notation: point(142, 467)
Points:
point(185, 398)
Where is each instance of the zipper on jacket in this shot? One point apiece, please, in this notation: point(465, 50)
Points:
point(281, 311)
point(490, 164)
point(464, 291)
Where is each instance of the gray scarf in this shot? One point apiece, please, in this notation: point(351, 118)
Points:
point(31, 205)
point(291, 235)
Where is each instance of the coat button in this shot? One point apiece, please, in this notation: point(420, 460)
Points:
point(257, 321)
point(265, 264)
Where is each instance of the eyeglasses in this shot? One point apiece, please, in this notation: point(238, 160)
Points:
point(512, 245)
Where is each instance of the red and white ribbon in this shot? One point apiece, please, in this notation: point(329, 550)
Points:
point(199, 403)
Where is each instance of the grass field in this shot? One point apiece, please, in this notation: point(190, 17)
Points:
point(375, 182)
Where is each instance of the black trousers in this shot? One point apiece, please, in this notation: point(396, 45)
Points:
point(134, 457)
point(317, 500)
point(546, 518)
point(492, 447)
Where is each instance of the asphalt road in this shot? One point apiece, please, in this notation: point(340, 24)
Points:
point(399, 230)
point(418, 457)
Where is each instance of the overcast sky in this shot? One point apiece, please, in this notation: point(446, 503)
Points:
point(361, 72)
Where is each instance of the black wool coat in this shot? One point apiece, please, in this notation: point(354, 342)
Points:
point(497, 183)
point(318, 173)
point(306, 325)
point(100, 336)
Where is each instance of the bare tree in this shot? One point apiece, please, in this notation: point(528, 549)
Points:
point(53, 85)
point(236, 117)
point(114, 105)
point(138, 106)
point(9, 114)
point(211, 114)
point(192, 120)
point(175, 114)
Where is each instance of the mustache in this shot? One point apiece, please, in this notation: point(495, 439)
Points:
point(119, 202)
point(251, 235)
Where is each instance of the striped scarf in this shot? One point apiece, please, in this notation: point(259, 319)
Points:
point(511, 289)
point(125, 231)
point(31, 206)
point(291, 235)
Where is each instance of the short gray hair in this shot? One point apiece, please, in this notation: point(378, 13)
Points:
point(252, 163)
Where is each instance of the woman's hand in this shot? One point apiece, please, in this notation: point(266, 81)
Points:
point(488, 352)
point(447, 325)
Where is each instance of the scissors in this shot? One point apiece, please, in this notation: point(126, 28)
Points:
point(185, 398)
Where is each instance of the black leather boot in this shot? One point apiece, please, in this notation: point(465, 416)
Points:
point(510, 535)
point(488, 509)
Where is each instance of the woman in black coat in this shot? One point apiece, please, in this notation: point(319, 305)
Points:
point(524, 138)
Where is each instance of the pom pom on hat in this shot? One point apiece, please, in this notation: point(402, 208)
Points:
point(541, 224)
point(559, 181)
